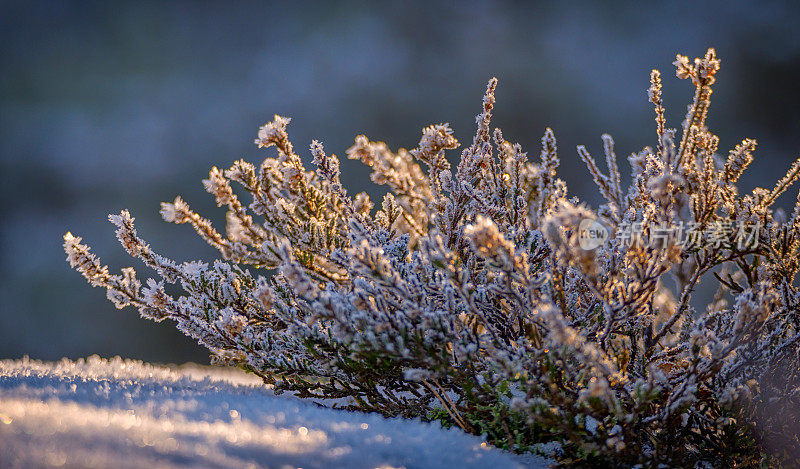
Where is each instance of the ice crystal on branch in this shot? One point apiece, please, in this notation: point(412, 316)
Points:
point(483, 297)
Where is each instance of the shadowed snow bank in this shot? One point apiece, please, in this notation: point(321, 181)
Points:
point(124, 413)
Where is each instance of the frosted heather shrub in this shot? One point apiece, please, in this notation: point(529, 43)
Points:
point(484, 297)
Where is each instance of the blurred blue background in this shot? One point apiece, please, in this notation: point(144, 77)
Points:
point(109, 105)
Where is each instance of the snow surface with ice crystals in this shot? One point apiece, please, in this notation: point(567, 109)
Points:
point(128, 414)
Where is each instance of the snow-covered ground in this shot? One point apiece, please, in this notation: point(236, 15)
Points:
point(123, 413)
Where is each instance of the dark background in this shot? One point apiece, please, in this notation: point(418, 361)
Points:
point(107, 105)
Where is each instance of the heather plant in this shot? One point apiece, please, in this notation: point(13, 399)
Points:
point(485, 297)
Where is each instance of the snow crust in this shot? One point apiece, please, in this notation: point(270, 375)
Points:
point(129, 414)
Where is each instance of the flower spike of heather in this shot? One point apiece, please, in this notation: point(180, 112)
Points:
point(484, 297)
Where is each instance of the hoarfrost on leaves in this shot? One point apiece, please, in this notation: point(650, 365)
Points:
point(469, 294)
